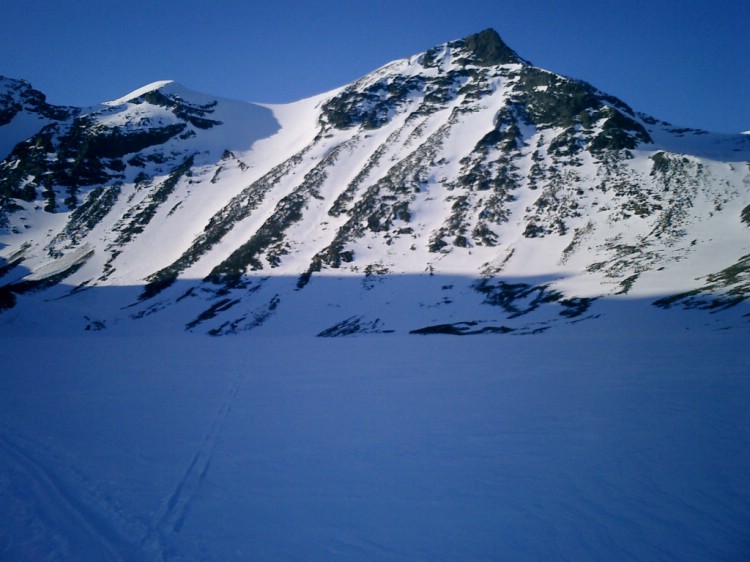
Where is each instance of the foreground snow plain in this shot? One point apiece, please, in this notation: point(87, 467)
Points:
point(584, 444)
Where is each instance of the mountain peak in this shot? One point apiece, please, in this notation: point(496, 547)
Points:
point(163, 86)
point(489, 49)
point(17, 96)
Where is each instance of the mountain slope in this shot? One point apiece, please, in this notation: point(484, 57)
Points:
point(460, 190)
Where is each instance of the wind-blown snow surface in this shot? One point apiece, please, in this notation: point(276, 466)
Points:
point(574, 445)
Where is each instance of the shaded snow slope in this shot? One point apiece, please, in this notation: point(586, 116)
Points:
point(584, 446)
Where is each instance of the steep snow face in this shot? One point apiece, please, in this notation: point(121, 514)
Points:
point(459, 190)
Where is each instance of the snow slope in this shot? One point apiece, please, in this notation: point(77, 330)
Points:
point(457, 187)
point(567, 446)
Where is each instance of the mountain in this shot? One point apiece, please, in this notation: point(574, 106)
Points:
point(461, 190)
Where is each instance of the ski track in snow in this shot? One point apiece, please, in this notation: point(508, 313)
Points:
point(63, 505)
point(171, 516)
point(77, 512)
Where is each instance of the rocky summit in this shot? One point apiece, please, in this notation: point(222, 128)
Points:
point(461, 190)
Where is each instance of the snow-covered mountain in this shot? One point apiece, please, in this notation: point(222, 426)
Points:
point(460, 190)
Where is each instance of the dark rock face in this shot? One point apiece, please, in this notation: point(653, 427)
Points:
point(488, 49)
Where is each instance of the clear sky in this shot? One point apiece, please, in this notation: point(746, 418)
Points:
point(687, 62)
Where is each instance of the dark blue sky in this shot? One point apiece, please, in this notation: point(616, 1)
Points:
point(684, 62)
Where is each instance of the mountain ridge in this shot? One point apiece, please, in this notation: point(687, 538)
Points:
point(461, 160)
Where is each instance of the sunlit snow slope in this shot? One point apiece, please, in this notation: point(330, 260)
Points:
point(460, 190)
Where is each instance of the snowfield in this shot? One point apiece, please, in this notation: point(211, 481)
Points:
point(575, 445)
point(599, 258)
